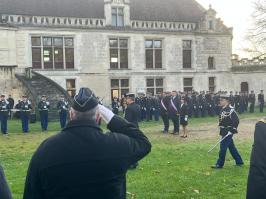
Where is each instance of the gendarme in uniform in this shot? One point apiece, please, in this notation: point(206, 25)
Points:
point(228, 122)
point(81, 161)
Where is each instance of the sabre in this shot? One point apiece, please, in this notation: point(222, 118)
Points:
point(228, 134)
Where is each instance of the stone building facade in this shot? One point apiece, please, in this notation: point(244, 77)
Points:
point(119, 46)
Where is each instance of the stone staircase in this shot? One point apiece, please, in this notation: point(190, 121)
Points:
point(38, 85)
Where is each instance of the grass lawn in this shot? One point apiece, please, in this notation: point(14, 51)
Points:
point(175, 168)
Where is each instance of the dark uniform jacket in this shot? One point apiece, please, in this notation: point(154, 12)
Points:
point(25, 107)
point(261, 98)
point(82, 162)
point(62, 106)
point(252, 98)
point(174, 106)
point(4, 189)
point(43, 106)
point(164, 104)
point(132, 113)
point(4, 107)
point(228, 121)
point(257, 173)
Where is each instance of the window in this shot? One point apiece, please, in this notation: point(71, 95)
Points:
point(211, 63)
point(71, 87)
point(52, 52)
point(154, 86)
point(187, 54)
point(188, 84)
point(118, 53)
point(117, 17)
point(212, 85)
point(210, 25)
point(153, 54)
point(119, 87)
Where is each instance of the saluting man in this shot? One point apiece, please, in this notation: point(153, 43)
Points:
point(4, 108)
point(25, 108)
point(62, 107)
point(228, 122)
point(44, 106)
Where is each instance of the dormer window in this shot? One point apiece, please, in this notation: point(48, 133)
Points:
point(117, 17)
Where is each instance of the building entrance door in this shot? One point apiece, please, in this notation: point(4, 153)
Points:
point(244, 87)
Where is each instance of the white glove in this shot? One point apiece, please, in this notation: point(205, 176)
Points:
point(106, 114)
point(229, 133)
point(186, 119)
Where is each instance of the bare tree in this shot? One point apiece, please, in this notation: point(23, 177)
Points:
point(257, 34)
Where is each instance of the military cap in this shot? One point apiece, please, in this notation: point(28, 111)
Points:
point(131, 95)
point(225, 96)
point(85, 100)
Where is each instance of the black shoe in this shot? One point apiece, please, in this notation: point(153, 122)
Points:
point(240, 165)
point(165, 131)
point(216, 167)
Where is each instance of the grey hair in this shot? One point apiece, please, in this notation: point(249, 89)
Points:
point(88, 115)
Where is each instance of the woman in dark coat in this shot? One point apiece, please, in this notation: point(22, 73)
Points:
point(184, 117)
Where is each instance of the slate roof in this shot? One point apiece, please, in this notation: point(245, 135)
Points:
point(151, 10)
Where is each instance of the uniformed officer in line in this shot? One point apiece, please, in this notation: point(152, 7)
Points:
point(83, 162)
point(252, 100)
point(261, 101)
point(156, 107)
point(148, 105)
point(241, 103)
point(202, 100)
point(174, 111)
point(4, 109)
point(44, 106)
point(232, 99)
point(195, 104)
point(63, 107)
point(257, 172)
point(237, 101)
point(216, 100)
point(25, 109)
point(228, 122)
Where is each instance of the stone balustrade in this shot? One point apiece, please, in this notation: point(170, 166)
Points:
point(52, 21)
point(22, 20)
point(172, 26)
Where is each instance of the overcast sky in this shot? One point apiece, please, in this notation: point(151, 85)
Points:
point(236, 14)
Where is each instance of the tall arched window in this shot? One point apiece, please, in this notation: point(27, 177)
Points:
point(211, 64)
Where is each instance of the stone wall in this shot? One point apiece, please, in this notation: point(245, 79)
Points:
point(9, 84)
point(92, 59)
